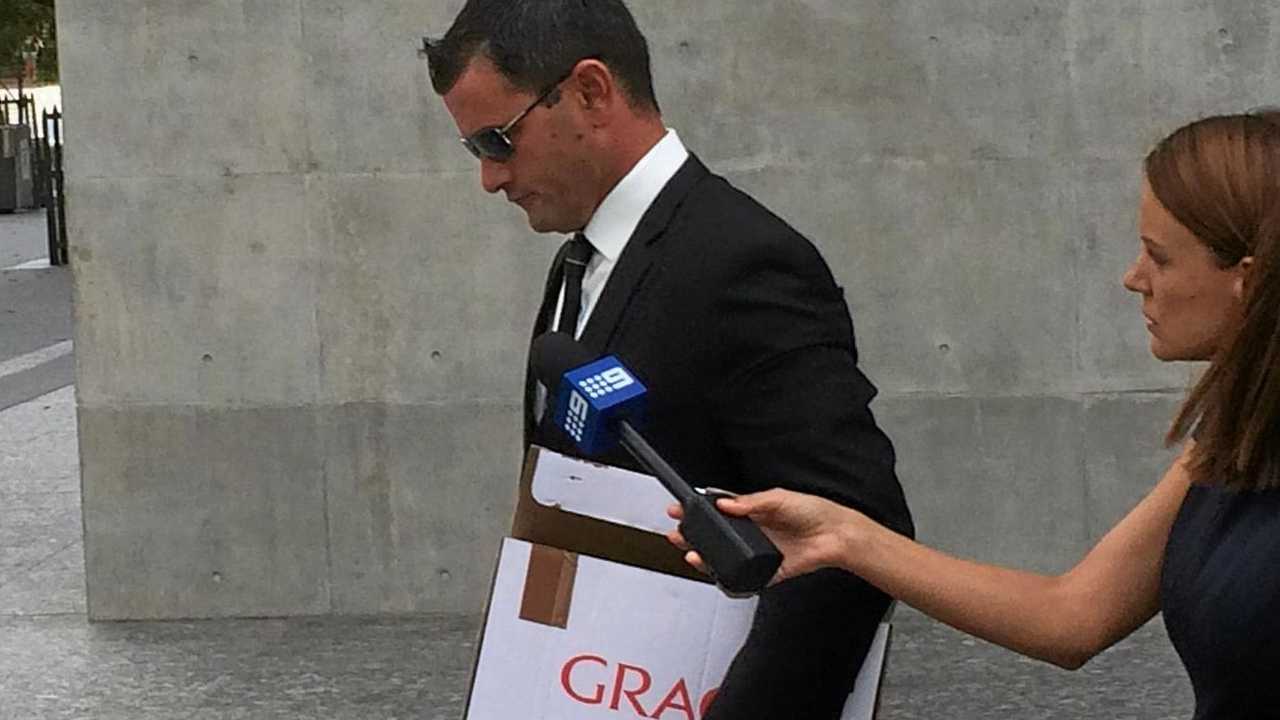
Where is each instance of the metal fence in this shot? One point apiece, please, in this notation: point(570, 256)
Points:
point(45, 134)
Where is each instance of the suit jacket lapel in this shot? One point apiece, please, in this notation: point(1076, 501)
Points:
point(638, 256)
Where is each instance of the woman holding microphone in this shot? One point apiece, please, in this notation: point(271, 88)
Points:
point(1204, 546)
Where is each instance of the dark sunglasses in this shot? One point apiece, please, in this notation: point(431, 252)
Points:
point(494, 143)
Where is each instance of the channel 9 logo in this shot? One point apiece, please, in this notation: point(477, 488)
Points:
point(611, 380)
point(575, 422)
point(592, 398)
point(596, 386)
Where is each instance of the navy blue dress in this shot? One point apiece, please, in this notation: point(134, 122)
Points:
point(1220, 595)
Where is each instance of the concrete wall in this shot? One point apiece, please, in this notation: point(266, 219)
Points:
point(301, 323)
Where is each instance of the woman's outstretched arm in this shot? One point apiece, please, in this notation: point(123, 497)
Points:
point(1064, 619)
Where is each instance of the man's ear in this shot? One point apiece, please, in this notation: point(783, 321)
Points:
point(594, 86)
point(1245, 269)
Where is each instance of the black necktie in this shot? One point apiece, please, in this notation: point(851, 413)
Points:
point(575, 266)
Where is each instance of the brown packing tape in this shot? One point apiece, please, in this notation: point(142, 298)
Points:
point(548, 586)
point(542, 525)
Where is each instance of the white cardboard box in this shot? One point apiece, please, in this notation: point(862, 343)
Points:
point(571, 636)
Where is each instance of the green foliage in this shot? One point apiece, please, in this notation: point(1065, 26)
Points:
point(28, 25)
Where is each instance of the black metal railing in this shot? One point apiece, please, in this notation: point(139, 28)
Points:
point(45, 136)
point(53, 187)
point(20, 110)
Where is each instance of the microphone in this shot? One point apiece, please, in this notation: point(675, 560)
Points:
point(596, 401)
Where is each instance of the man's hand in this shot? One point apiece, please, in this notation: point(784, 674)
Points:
point(811, 532)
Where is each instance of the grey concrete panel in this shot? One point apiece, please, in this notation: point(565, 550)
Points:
point(427, 289)
point(960, 276)
point(370, 105)
point(419, 498)
point(203, 513)
point(183, 88)
point(1207, 56)
point(1108, 81)
point(993, 479)
point(195, 291)
point(1137, 70)
point(798, 81)
point(1125, 453)
point(269, 210)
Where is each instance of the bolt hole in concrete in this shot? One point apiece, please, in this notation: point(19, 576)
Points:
point(446, 576)
point(436, 355)
point(217, 577)
point(207, 358)
point(945, 348)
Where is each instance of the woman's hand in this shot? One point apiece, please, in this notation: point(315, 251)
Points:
point(811, 532)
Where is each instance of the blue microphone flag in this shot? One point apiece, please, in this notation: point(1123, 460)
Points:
point(593, 398)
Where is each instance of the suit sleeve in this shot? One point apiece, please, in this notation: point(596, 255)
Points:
point(794, 409)
point(793, 406)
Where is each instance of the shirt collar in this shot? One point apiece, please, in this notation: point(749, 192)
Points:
point(618, 215)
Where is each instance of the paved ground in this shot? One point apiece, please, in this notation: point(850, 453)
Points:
point(55, 664)
point(23, 238)
point(35, 312)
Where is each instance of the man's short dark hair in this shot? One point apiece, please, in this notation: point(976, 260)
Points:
point(533, 43)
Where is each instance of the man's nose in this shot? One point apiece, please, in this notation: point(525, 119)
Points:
point(493, 175)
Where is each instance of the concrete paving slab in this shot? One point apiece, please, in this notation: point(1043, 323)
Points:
point(52, 586)
point(38, 446)
point(936, 672)
point(37, 381)
point(35, 310)
point(418, 667)
point(23, 237)
point(300, 668)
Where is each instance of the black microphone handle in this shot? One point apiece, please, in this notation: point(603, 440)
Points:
point(736, 552)
point(635, 443)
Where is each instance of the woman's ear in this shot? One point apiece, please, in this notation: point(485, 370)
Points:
point(1245, 269)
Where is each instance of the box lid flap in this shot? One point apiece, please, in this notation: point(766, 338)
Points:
point(585, 511)
point(606, 493)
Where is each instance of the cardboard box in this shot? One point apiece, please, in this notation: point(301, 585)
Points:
point(582, 623)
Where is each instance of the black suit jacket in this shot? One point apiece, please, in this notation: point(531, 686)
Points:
point(736, 325)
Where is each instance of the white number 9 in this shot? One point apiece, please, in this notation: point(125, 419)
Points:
point(577, 406)
point(617, 378)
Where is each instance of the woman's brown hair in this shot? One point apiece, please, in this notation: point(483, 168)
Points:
point(1220, 178)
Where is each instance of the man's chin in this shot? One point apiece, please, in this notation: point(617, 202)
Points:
point(545, 225)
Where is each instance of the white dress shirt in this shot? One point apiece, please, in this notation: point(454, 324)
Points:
point(617, 217)
point(612, 225)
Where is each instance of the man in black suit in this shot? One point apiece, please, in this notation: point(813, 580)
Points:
point(730, 317)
